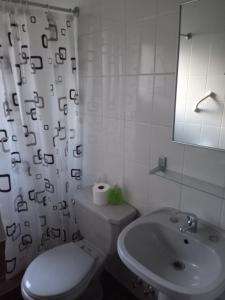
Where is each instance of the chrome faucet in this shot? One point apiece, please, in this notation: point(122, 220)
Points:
point(191, 224)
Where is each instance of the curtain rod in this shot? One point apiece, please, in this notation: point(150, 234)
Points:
point(75, 10)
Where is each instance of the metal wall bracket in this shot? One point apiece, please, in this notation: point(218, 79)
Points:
point(76, 11)
point(162, 165)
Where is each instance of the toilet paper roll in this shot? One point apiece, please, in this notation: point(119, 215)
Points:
point(100, 193)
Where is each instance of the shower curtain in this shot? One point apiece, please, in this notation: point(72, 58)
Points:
point(40, 142)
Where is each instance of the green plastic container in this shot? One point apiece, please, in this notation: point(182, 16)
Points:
point(115, 195)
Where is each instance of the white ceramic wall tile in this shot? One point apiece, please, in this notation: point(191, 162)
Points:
point(181, 98)
point(200, 55)
point(113, 150)
point(165, 6)
point(92, 130)
point(91, 175)
point(67, 4)
point(195, 92)
point(137, 142)
point(210, 136)
point(216, 84)
point(89, 24)
point(196, 88)
point(212, 119)
point(185, 49)
point(113, 50)
point(164, 100)
point(138, 98)
point(204, 21)
point(164, 193)
point(217, 57)
point(166, 43)
point(203, 205)
point(91, 95)
point(205, 164)
point(140, 48)
point(113, 97)
point(113, 11)
point(89, 54)
point(93, 105)
point(89, 7)
point(113, 169)
point(161, 145)
point(192, 133)
point(144, 207)
point(90, 19)
point(179, 132)
point(113, 137)
point(136, 179)
point(223, 119)
point(92, 145)
point(90, 87)
point(141, 9)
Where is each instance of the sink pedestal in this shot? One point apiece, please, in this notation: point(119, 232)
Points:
point(163, 297)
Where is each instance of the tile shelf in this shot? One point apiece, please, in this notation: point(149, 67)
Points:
point(192, 182)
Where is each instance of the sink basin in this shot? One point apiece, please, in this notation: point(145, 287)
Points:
point(180, 265)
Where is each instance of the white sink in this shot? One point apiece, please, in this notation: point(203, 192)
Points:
point(182, 266)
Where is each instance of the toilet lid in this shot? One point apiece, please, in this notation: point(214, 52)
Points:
point(58, 271)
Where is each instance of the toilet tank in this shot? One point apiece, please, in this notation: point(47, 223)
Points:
point(101, 225)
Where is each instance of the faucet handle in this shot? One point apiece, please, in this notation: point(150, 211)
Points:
point(191, 222)
point(190, 219)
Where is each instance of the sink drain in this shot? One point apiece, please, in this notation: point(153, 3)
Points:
point(178, 265)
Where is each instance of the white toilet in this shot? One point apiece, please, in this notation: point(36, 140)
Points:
point(70, 271)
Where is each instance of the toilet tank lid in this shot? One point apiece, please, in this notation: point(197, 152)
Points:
point(114, 214)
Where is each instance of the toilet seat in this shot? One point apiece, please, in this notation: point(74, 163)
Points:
point(60, 273)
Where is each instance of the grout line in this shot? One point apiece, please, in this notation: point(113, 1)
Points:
point(128, 75)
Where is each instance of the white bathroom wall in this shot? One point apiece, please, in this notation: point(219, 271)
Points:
point(127, 52)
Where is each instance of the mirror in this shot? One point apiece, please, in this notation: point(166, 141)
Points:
point(199, 117)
